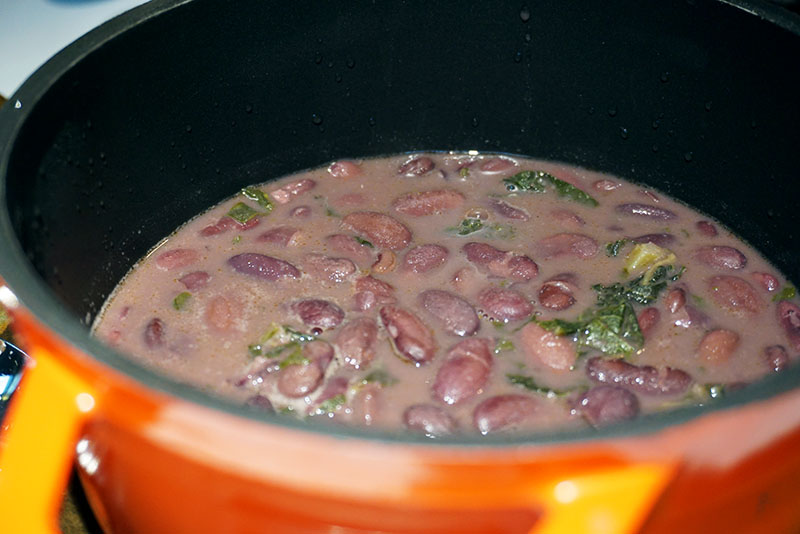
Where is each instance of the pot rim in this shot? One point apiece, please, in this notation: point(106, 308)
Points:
point(34, 295)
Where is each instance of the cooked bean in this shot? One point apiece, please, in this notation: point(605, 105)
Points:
point(662, 240)
point(482, 254)
point(497, 165)
point(706, 228)
point(504, 209)
point(456, 315)
point(498, 263)
point(645, 210)
point(567, 218)
point(720, 257)
point(605, 185)
point(301, 212)
point(675, 300)
point(428, 202)
point(603, 405)
point(279, 235)
point(776, 358)
point(765, 280)
point(424, 258)
point(643, 379)
point(648, 319)
point(521, 268)
point(546, 348)
point(410, 337)
point(717, 346)
point(556, 295)
point(327, 268)
point(318, 313)
point(220, 313)
point(262, 266)
point(154, 333)
point(366, 405)
point(382, 230)
point(334, 386)
point(195, 280)
point(261, 402)
point(356, 341)
point(503, 412)
point(386, 262)
point(227, 223)
point(344, 169)
point(465, 371)
point(351, 248)
point(289, 191)
point(176, 259)
point(734, 295)
point(504, 304)
point(789, 318)
point(690, 316)
point(371, 292)
point(576, 245)
point(416, 167)
point(431, 420)
point(301, 379)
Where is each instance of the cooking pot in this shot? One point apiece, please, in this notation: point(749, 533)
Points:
point(168, 109)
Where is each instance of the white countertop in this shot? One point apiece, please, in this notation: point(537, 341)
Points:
point(32, 31)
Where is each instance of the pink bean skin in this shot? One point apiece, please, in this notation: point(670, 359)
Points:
point(428, 202)
point(291, 190)
point(734, 295)
point(261, 402)
point(416, 167)
point(318, 313)
point(347, 245)
point(646, 211)
point(195, 280)
point(381, 230)
point(464, 373)
point(299, 380)
point(501, 264)
point(504, 209)
point(226, 223)
point(154, 333)
point(356, 341)
point(504, 304)
point(280, 235)
point(604, 405)
point(371, 292)
point(576, 245)
point(675, 300)
point(568, 219)
point(717, 347)
point(411, 338)
point(220, 313)
point(789, 317)
point(776, 358)
point(503, 412)
point(263, 267)
point(720, 258)
point(424, 258)
point(457, 316)
point(497, 165)
point(556, 295)
point(300, 212)
point(662, 240)
point(433, 421)
point(706, 228)
point(178, 258)
point(766, 281)
point(643, 379)
point(605, 185)
point(546, 348)
point(344, 169)
point(326, 268)
point(648, 319)
point(366, 405)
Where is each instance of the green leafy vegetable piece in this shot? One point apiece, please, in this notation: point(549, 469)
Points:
point(257, 195)
point(537, 182)
point(503, 345)
point(331, 405)
point(613, 248)
point(786, 293)
point(560, 327)
point(237, 239)
point(242, 213)
point(255, 350)
point(463, 172)
point(180, 300)
point(294, 358)
point(530, 384)
point(612, 330)
point(363, 241)
point(277, 340)
point(379, 376)
point(469, 226)
point(636, 290)
point(568, 190)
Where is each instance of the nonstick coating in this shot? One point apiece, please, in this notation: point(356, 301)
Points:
point(151, 119)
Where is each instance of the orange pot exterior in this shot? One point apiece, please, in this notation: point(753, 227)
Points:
point(153, 463)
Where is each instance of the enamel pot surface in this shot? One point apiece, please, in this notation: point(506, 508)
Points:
point(172, 107)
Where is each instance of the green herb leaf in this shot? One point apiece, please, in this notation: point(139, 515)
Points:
point(363, 241)
point(331, 405)
point(260, 197)
point(530, 384)
point(636, 290)
point(463, 172)
point(503, 345)
point(294, 358)
point(560, 327)
point(786, 293)
point(255, 350)
point(180, 301)
point(469, 226)
point(537, 182)
point(612, 249)
point(381, 377)
point(612, 330)
point(242, 213)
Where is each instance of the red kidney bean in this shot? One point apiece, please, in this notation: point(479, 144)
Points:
point(262, 266)
point(456, 314)
point(350, 247)
point(521, 268)
point(291, 190)
point(226, 223)
point(706, 228)
point(504, 209)
point(301, 379)
point(606, 186)
point(428, 202)
point(498, 263)
point(154, 333)
point(776, 358)
point(195, 280)
point(327, 268)
point(734, 295)
point(675, 300)
point(717, 346)
point(279, 235)
point(567, 218)
point(424, 258)
point(220, 313)
point(371, 292)
point(334, 386)
point(643, 379)
point(789, 319)
point(465, 371)
point(645, 210)
point(482, 254)
point(648, 319)
point(366, 404)
point(546, 348)
point(301, 212)
point(344, 169)
point(603, 405)
point(318, 313)
point(410, 337)
point(765, 280)
point(556, 295)
point(504, 304)
point(356, 341)
point(382, 230)
point(690, 316)
point(503, 412)
point(497, 165)
point(720, 257)
point(416, 167)
point(177, 258)
point(431, 420)
point(662, 240)
point(576, 245)
point(261, 402)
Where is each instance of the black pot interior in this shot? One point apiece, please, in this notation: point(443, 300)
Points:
point(695, 98)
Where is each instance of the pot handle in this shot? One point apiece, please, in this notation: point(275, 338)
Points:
point(37, 443)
